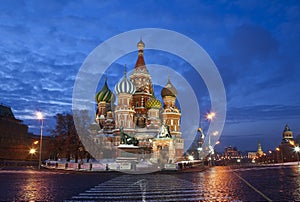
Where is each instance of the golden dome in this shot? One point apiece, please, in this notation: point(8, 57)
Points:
point(153, 103)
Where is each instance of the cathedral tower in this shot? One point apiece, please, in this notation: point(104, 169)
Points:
point(171, 114)
point(171, 117)
point(142, 81)
point(124, 112)
point(104, 99)
point(153, 105)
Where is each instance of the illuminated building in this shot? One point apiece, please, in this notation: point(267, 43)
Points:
point(141, 114)
point(231, 152)
point(259, 152)
point(287, 135)
point(286, 148)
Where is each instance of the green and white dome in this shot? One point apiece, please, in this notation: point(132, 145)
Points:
point(104, 95)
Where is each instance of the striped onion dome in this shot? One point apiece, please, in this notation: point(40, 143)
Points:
point(104, 94)
point(169, 90)
point(153, 103)
point(125, 86)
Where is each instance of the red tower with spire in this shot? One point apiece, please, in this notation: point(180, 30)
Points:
point(142, 81)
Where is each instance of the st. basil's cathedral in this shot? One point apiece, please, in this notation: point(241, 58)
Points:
point(141, 116)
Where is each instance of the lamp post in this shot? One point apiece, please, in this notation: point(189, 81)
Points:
point(280, 152)
point(210, 116)
point(40, 117)
point(200, 143)
point(297, 150)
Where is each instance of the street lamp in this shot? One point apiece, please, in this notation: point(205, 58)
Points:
point(215, 133)
point(297, 150)
point(32, 151)
point(278, 149)
point(191, 158)
point(210, 116)
point(40, 117)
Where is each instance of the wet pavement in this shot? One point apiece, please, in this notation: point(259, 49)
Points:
point(26, 184)
point(277, 183)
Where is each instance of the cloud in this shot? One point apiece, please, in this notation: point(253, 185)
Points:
point(249, 42)
point(254, 44)
point(262, 112)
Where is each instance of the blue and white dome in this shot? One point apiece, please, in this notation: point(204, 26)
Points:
point(125, 86)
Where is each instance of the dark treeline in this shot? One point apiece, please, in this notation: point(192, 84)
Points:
point(65, 142)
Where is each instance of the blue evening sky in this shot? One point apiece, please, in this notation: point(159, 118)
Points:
point(254, 44)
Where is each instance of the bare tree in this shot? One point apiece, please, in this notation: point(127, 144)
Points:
point(67, 141)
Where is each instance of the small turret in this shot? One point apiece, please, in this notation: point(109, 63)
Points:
point(287, 134)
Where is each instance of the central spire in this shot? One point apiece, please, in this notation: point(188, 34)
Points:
point(140, 63)
point(140, 76)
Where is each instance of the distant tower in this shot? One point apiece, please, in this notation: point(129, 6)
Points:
point(287, 135)
point(287, 145)
point(124, 112)
point(259, 149)
point(142, 81)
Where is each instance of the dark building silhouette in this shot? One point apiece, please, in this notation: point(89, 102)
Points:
point(13, 136)
point(231, 152)
point(15, 141)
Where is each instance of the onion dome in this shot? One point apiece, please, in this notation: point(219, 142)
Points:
point(169, 90)
point(153, 103)
point(105, 94)
point(125, 86)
